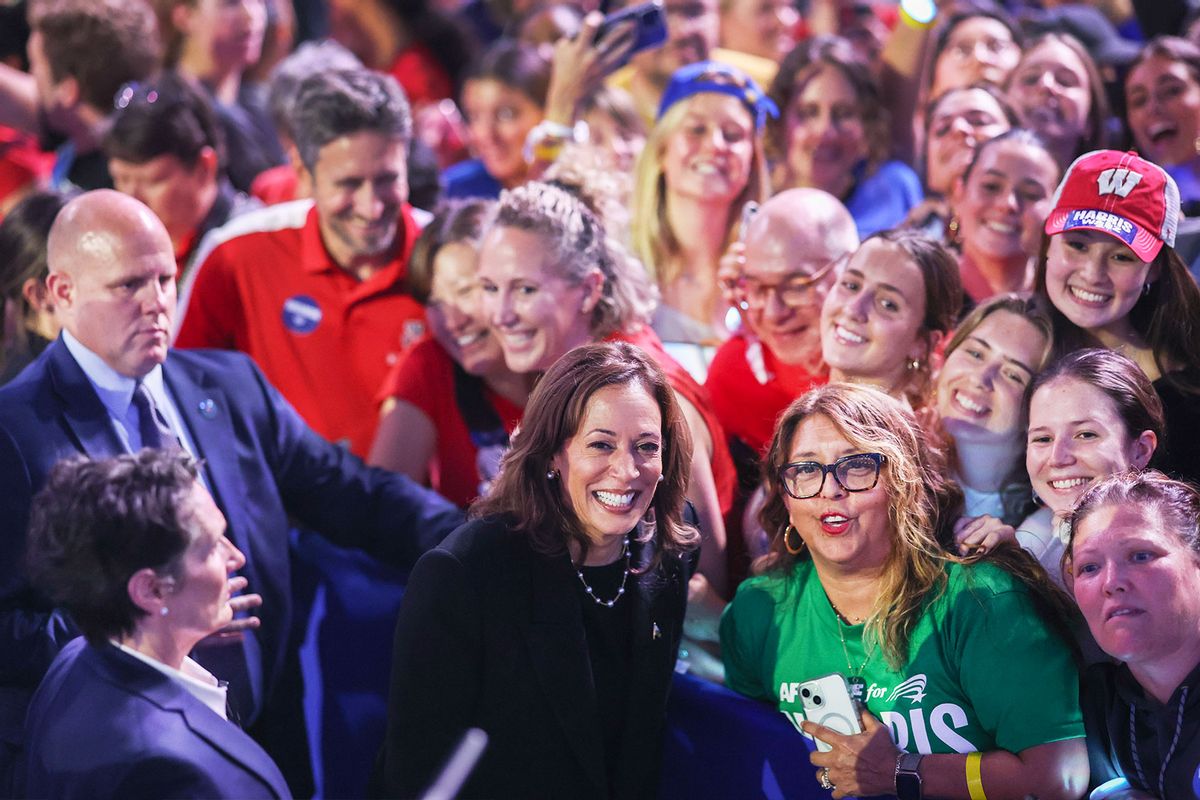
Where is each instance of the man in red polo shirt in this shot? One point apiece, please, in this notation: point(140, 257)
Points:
point(313, 290)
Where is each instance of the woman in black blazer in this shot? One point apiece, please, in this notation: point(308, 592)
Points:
point(552, 619)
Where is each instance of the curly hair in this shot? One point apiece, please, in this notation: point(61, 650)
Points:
point(95, 523)
point(576, 243)
point(556, 409)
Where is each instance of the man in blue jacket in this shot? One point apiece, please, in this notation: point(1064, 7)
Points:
point(111, 384)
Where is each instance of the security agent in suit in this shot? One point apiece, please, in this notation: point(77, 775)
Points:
point(112, 278)
point(136, 549)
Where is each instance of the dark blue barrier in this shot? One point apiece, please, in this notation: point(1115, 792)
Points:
point(720, 744)
point(346, 605)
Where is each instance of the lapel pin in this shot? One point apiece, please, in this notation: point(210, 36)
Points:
point(655, 633)
point(207, 408)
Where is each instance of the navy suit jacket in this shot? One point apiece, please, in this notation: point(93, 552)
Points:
point(105, 725)
point(263, 464)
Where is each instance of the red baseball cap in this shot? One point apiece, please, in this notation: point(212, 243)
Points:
point(1121, 194)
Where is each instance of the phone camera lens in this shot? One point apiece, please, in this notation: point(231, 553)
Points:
point(817, 700)
point(805, 693)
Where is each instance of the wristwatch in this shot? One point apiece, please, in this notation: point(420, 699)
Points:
point(908, 779)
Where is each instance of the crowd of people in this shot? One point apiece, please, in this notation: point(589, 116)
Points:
point(844, 342)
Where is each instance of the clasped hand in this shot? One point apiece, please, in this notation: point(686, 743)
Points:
point(859, 764)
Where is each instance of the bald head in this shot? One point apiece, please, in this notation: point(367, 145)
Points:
point(807, 224)
point(791, 246)
point(112, 277)
point(100, 226)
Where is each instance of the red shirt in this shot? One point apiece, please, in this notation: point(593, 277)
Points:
point(685, 385)
point(275, 185)
point(746, 405)
point(265, 285)
point(421, 76)
point(424, 376)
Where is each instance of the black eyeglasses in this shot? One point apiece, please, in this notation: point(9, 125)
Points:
point(854, 473)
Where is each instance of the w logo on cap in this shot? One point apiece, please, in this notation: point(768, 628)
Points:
point(1119, 181)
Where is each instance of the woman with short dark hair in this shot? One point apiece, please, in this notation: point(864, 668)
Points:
point(134, 549)
point(552, 619)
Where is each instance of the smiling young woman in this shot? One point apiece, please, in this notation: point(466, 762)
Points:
point(1110, 270)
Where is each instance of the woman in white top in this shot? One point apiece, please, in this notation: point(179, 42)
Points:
point(1091, 414)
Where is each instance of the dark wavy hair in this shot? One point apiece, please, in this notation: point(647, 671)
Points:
point(23, 235)
point(556, 408)
point(95, 523)
point(516, 64)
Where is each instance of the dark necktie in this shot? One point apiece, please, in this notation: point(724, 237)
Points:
point(155, 431)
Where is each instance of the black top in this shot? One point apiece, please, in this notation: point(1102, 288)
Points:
point(1114, 704)
point(496, 635)
point(608, 635)
point(1181, 457)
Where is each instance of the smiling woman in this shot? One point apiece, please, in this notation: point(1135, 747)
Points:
point(1109, 268)
point(892, 304)
point(552, 619)
point(856, 584)
point(832, 135)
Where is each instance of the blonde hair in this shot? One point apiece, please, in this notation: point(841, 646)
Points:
point(653, 241)
point(576, 243)
point(914, 479)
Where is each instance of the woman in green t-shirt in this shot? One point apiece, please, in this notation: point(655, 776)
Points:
point(968, 693)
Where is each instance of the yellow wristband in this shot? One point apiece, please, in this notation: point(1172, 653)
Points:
point(975, 776)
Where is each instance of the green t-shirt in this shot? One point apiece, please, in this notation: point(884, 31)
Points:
point(983, 672)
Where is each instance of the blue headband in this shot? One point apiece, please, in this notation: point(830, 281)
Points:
point(710, 76)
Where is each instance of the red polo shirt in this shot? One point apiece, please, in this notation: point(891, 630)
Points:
point(266, 285)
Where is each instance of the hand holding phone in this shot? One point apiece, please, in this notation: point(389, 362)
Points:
point(827, 702)
point(649, 28)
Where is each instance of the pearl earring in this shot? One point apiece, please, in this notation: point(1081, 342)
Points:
point(551, 475)
point(163, 611)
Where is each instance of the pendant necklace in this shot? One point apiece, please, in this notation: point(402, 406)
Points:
point(620, 591)
point(858, 685)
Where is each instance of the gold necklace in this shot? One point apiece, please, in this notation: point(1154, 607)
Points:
point(855, 680)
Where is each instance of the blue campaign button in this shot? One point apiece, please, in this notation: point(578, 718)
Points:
point(301, 314)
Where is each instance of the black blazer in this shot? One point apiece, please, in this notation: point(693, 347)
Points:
point(103, 724)
point(490, 634)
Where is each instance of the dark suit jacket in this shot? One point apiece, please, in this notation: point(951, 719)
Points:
point(103, 724)
point(490, 634)
point(262, 463)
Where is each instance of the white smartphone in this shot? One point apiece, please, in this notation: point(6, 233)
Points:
point(827, 702)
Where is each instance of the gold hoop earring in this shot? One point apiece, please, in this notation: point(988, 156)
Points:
point(787, 543)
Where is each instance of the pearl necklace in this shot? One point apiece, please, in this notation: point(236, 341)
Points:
point(620, 591)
